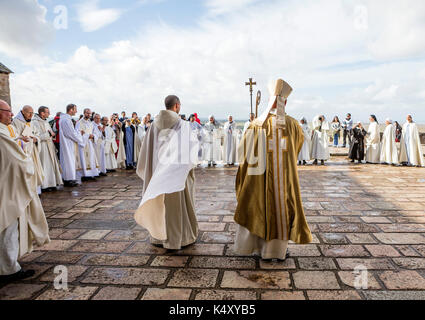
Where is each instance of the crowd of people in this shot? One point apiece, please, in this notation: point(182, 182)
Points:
point(38, 156)
point(399, 145)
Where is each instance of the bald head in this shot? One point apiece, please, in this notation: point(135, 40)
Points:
point(28, 112)
point(6, 114)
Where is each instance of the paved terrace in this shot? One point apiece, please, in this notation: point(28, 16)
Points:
point(367, 215)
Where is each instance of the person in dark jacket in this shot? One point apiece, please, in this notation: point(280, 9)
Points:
point(357, 147)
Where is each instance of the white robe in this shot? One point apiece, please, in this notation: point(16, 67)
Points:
point(410, 146)
point(169, 153)
point(373, 138)
point(320, 141)
point(69, 140)
point(100, 147)
point(304, 154)
point(389, 152)
point(48, 158)
point(20, 204)
point(89, 163)
point(212, 143)
point(230, 143)
point(28, 129)
point(246, 126)
point(110, 148)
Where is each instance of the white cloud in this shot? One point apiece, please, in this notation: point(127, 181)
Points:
point(334, 66)
point(24, 30)
point(93, 18)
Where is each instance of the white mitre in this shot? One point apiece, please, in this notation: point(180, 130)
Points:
point(279, 93)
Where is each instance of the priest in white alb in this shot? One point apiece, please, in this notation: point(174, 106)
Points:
point(99, 132)
point(373, 141)
point(48, 158)
point(22, 218)
point(70, 139)
point(25, 128)
point(212, 142)
point(411, 152)
point(166, 165)
point(304, 154)
point(110, 147)
point(389, 152)
point(320, 140)
point(246, 126)
point(230, 143)
point(87, 153)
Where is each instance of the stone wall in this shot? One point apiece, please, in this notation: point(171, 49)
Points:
point(4, 87)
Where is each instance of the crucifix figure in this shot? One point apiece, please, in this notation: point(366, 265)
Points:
point(251, 84)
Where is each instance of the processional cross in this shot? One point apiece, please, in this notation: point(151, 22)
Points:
point(251, 84)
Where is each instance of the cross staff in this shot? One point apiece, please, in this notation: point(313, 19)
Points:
point(251, 84)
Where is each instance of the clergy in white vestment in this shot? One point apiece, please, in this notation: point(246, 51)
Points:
point(410, 145)
point(304, 154)
point(320, 140)
point(116, 125)
point(389, 152)
point(230, 142)
point(99, 132)
point(89, 164)
point(166, 165)
point(246, 126)
point(25, 128)
point(70, 139)
point(111, 146)
point(373, 141)
point(212, 142)
point(22, 218)
point(48, 157)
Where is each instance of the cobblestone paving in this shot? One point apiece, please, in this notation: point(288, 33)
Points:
point(359, 214)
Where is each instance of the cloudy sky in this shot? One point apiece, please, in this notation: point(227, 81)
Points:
point(340, 56)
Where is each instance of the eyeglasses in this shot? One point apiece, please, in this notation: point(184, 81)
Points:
point(6, 110)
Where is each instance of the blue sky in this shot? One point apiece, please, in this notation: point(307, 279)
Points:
point(339, 55)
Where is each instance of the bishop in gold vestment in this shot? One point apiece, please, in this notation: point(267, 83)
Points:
point(269, 211)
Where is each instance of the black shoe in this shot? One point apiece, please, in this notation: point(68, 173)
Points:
point(103, 174)
point(315, 162)
point(20, 275)
point(84, 179)
point(70, 184)
point(299, 163)
point(322, 162)
point(304, 162)
point(109, 171)
point(286, 256)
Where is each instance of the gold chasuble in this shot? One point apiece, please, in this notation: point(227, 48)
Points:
point(267, 185)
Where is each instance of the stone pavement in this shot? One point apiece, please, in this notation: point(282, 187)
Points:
point(367, 215)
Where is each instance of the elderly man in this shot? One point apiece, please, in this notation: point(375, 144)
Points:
point(70, 139)
point(49, 160)
point(89, 163)
point(22, 217)
point(99, 132)
point(25, 129)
